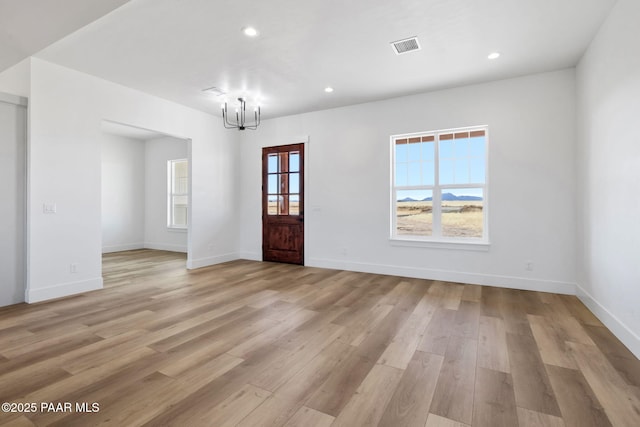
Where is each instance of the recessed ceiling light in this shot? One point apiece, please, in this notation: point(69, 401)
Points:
point(250, 31)
point(328, 89)
point(494, 55)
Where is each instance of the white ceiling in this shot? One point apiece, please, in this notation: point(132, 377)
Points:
point(176, 48)
point(27, 26)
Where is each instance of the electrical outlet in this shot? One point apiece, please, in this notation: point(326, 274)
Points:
point(49, 208)
point(73, 268)
point(528, 265)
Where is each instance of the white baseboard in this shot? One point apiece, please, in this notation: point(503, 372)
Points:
point(11, 299)
point(123, 247)
point(523, 283)
point(166, 247)
point(205, 262)
point(251, 256)
point(62, 290)
point(615, 325)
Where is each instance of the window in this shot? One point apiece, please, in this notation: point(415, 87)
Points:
point(178, 193)
point(439, 188)
point(283, 182)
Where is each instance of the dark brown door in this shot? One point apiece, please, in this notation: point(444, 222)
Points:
point(283, 204)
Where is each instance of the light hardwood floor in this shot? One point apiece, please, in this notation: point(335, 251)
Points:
point(251, 344)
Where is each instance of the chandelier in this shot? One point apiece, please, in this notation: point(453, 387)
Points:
point(240, 121)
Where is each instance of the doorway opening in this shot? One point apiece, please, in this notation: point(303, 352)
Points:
point(146, 183)
point(13, 210)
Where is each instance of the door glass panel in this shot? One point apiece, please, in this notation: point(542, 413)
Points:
point(294, 161)
point(283, 183)
point(273, 184)
point(294, 183)
point(294, 204)
point(272, 208)
point(272, 163)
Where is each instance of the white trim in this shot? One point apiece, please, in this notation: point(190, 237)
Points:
point(160, 133)
point(305, 226)
point(190, 196)
point(523, 283)
point(122, 247)
point(63, 290)
point(165, 247)
point(18, 101)
point(178, 229)
point(208, 261)
point(629, 338)
point(251, 256)
point(460, 245)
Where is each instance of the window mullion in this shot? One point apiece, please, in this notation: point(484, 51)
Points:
point(436, 205)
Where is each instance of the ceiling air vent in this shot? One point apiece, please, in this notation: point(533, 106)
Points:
point(214, 91)
point(406, 45)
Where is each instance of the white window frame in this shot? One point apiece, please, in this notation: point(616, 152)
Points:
point(171, 195)
point(436, 239)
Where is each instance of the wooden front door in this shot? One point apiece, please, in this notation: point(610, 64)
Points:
point(283, 204)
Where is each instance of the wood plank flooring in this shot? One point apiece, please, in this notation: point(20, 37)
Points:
point(259, 344)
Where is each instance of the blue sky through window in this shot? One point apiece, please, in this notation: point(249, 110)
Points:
point(462, 161)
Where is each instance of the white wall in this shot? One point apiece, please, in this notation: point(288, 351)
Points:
point(156, 234)
point(123, 193)
point(608, 82)
point(67, 108)
point(531, 182)
point(16, 80)
point(13, 146)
